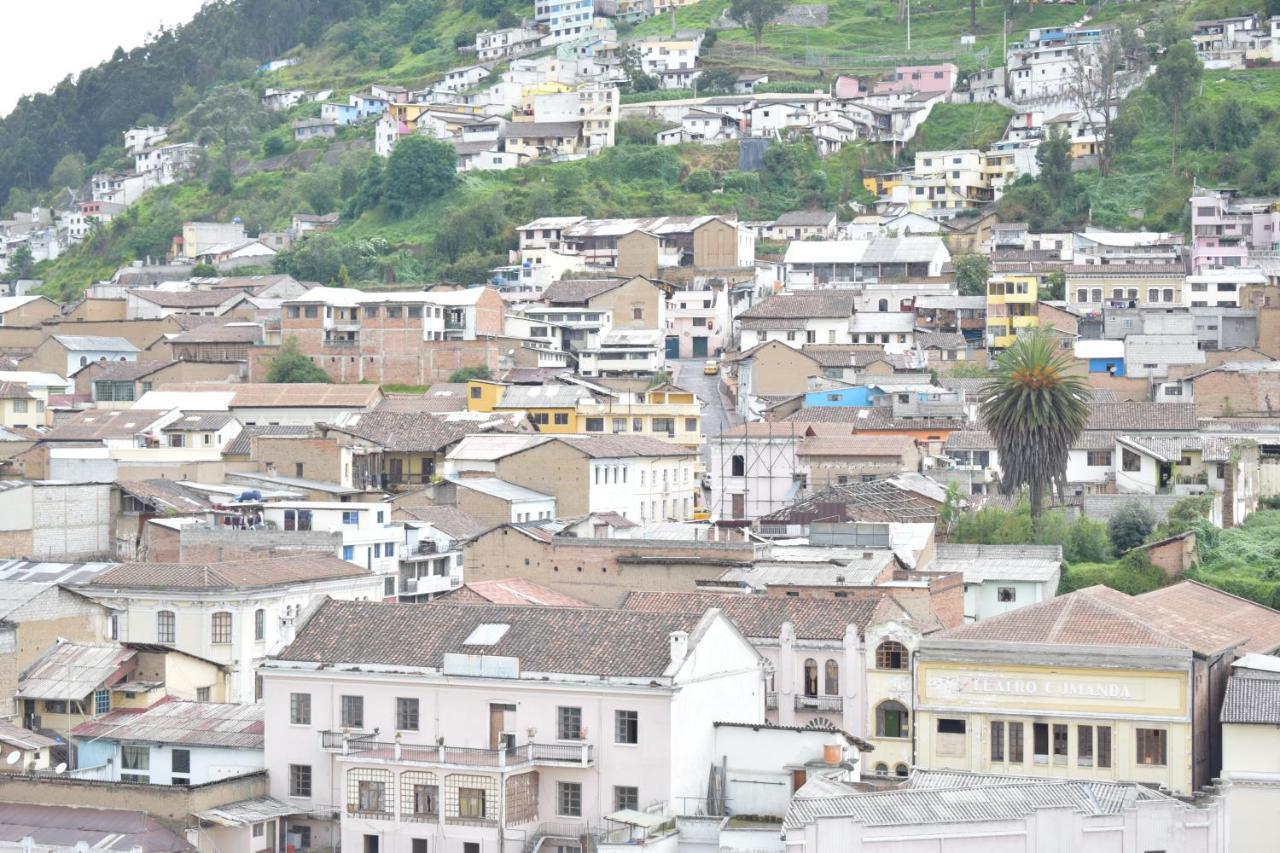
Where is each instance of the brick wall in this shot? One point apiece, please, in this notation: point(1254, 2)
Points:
point(321, 458)
point(1224, 393)
point(600, 571)
point(1174, 556)
point(555, 469)
point(391, 357)
point(203, 545)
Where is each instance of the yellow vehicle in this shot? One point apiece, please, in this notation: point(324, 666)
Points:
point(701, 513)
point(711, 368)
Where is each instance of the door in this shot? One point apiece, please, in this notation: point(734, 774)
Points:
point(699, 347)
point(798, 778)
point(396, 470)
point(673, 346)
point(739, 505)
point(502, 723)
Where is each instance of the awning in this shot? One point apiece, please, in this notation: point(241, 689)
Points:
point(248, 812)
point(631, 817)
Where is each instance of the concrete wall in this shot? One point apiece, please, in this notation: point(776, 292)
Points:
point(170, 803)
point(321, 458)
point(36, 627)
point(637, 293)
point(205, 545)
point(600, 571)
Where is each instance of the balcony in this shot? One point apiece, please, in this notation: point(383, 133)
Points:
point(360, 748)
point(819, 703)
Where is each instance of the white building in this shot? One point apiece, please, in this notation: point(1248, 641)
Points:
point(1000, 578)
point(431, 559)
point(173, 743)
point(565, 20)
point(369, 537)
point(1250, 720)
point(232, 613)
point(472, 725)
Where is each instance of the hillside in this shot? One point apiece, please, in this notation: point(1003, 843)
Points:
point(345, 46)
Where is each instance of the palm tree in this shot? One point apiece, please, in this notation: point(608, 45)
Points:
point(1034, 409)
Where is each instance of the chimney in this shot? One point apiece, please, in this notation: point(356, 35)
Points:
point(679, 647)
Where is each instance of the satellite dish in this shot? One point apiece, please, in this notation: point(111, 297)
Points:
point(61, 768)
point(13, 757)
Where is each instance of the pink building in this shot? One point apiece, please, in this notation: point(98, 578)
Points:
point(1226, 230)
point(919, 78)
point(481, 729)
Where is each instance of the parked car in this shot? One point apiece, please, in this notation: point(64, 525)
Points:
point(711, 367)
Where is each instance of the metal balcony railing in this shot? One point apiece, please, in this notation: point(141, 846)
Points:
point(561, 754)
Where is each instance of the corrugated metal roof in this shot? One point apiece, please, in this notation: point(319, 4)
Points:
point(188, 723)
point(80, 343)
point(981, 563)
point(501, 489)
point(72, 670)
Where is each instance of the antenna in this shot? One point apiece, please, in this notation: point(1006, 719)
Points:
point(13, 757)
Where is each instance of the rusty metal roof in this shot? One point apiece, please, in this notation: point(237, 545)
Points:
point(188, 723)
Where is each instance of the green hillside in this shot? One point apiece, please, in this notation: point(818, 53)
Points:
point(467, 228)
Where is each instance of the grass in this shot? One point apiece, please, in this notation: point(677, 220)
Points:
point(957, 126)
point(393, 388)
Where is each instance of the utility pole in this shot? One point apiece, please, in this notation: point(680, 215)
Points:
point(908, 26)
point(1004, 33)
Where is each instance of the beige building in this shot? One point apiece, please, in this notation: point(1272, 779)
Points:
point(20, 408)
point(634, 303)
point(32, 618)
point(1090, 685)
point(1251, 753)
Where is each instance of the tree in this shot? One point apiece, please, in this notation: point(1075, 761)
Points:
point(632, 65)
point(1034, 408)
point(1087, 541)
point(755, 15)
point(419, 171)
point(68, 173)
point(1129, 527)
point(716, 81)
point(464, 374)
point(1174, 83)
point(1054, 157)
point(230, 118)
point(204, 271)
point(972, 272)
point(1098, 79)
point(21, 263)
point(1055, 286)
point(291, 367)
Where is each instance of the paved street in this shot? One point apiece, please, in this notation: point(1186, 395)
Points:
point(687, 373)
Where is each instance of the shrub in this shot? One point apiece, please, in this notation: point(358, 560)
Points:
point(700, 181)
point(1129, 527)
point(464, 374)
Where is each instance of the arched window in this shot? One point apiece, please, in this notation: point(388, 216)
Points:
point(259, 624)
point(891, 720)
point(892, 655)
point(83, 361)
point(811, 677)
point(900, 770)
point(831, 677)
point(165, 629)
point(882, 769)
point(882, 305)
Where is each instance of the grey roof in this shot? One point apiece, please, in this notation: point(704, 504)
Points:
point(248, 812)
point(543, 396)
point(200, 422)
point(500, 489)
point(802, 305)
point(71, 670)
point(951, 303)
point(982, 563)
point(803, 218)
point(79, 343)
point(28, 571)
point(1142, 416)
point(617, 643)
point(449, 520)
point(216, 724)
point(970, 439)
point(1252, 698)
point(242, 443)
point(64, 827)
point(540, 129)
point(1102, 507)
point(1000, 800)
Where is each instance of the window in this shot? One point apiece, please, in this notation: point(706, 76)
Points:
point(350, 517)
point(539, 418)
point(637, 425)
point(891, 720)
point(997, 741)
point(407, 715)
point(475, 392)
point(637, 313)
point(667, 425)
point(180, 761)
point(415, 312)
point(626, 727)
point(421, 796)
point(1129, 460)
point(1006, 594)
point(1015, 743)
point(811, 677)
point(221, 628)
point(892, 655)
point(595, 425)
point(101, 701)
point(419, 845)
point(371, 795)
point(1059, 744)
point(690, 424)
point(311, 312)
point(950, 727)
point(352, 712)
point(1084, 746)
point(569, 723)
point(300, 709)
point(569, 799)
point(1040, 742)
point(203, 694)
point(300, 780)
point(137, 761)
point(831, 678)
point(738, 466)
point(561, 418)
point(1098, 458)
point(471, 803)
point(259, 624)
point(1104, 746)
point(348, 552)
point(1153, 747)
point(626, 797)
point(372, 844)
point(165, 627)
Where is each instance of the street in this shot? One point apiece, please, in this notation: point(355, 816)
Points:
point(687, 373)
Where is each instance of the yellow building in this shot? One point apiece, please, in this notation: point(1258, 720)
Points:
point(407, 113)
point(19, 407)
point(1095, 684)
point(666, 412)
point(483, 395)
point(1011, 307)
point(943, 182)
point(551, 408)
